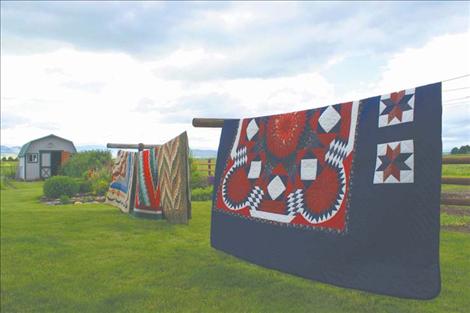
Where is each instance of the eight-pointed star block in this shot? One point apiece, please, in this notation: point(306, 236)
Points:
point(395, 162)
point(396, 108)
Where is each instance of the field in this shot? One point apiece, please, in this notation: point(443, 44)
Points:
point(91, 258)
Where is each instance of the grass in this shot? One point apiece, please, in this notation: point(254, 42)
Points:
point(455, 188)
point(91, 258)
point(457, 170)
point(454, 220)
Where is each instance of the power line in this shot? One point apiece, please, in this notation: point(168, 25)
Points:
point(446, 105)
point(456, 99)
point(455, 89)
point(454, 78)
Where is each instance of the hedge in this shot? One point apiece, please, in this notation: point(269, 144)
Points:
point(201, 194)
point(58, 186)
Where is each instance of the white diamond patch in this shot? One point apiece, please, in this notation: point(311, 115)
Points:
point(329, 118)
point(276, 187)
point(251, 129)
point(255, 170)
point(308, 169)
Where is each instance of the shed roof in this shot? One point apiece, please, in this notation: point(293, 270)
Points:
point(26, 146)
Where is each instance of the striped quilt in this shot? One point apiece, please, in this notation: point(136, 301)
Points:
point(147, 190)
point(173, 180)
point(120, 189)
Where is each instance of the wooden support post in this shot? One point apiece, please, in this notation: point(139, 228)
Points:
point(208, 122)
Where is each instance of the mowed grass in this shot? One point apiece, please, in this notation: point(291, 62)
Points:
point(457, 170)
point(455, 188)
point(92, 258)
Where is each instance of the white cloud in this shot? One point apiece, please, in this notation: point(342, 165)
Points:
point(99, 97)
point(94, 98)
point(441, 58)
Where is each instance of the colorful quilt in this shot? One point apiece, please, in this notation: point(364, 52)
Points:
point(120, 189)
point(173, 169)
point(346, 194)
point(147, 189)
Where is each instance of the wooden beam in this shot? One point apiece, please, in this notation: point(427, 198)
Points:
point(455, 180)
point(454, 201)
point(456, 160)
point(139, 146)
point(208, 122)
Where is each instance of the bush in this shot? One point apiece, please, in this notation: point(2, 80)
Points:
point(64, 199)
point(201, 194)
point(198, 180)
point(84, 186)
point(100, 187)
point(57, 186)
point(82, 163)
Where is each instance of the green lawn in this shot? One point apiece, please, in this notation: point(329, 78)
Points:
point(458, 170)
point(91, 258)
point(455, 188)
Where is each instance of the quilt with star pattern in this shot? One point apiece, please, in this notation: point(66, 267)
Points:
point(346, 194)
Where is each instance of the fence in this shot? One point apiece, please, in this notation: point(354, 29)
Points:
point(207, 166)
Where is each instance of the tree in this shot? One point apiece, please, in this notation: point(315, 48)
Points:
point(462, 150)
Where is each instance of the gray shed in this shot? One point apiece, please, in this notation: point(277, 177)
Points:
point(42, 157)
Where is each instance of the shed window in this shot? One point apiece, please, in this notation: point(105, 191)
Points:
point(32, 158)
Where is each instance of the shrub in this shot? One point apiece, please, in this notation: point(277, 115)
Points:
point(57, 186)
point(64, 199)
point(100, 187)
point(198, 180)
point(201, 194)
point(84, 186)
point(80, 164)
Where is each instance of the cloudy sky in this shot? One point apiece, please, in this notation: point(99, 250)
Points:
point(139, 72)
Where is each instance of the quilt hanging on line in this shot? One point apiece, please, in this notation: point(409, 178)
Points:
point(346, 194)
point(174, 179)
point(120, 190)
point(147, 189)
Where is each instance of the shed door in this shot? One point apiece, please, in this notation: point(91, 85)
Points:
point(45, 164)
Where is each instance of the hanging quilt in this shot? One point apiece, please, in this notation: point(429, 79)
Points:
point(346, 194)
point(147, 189)
point(120, 189)
point(173, 169)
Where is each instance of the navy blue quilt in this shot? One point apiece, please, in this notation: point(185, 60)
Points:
point(346, 194)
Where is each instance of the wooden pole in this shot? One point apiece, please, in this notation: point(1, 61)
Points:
point(139, 146)
point(208, 122)
point(456, 160)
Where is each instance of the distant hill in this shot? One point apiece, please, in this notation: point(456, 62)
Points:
point(197, 153)
point(91, 147)
point(9, 151)
point(203, 154)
